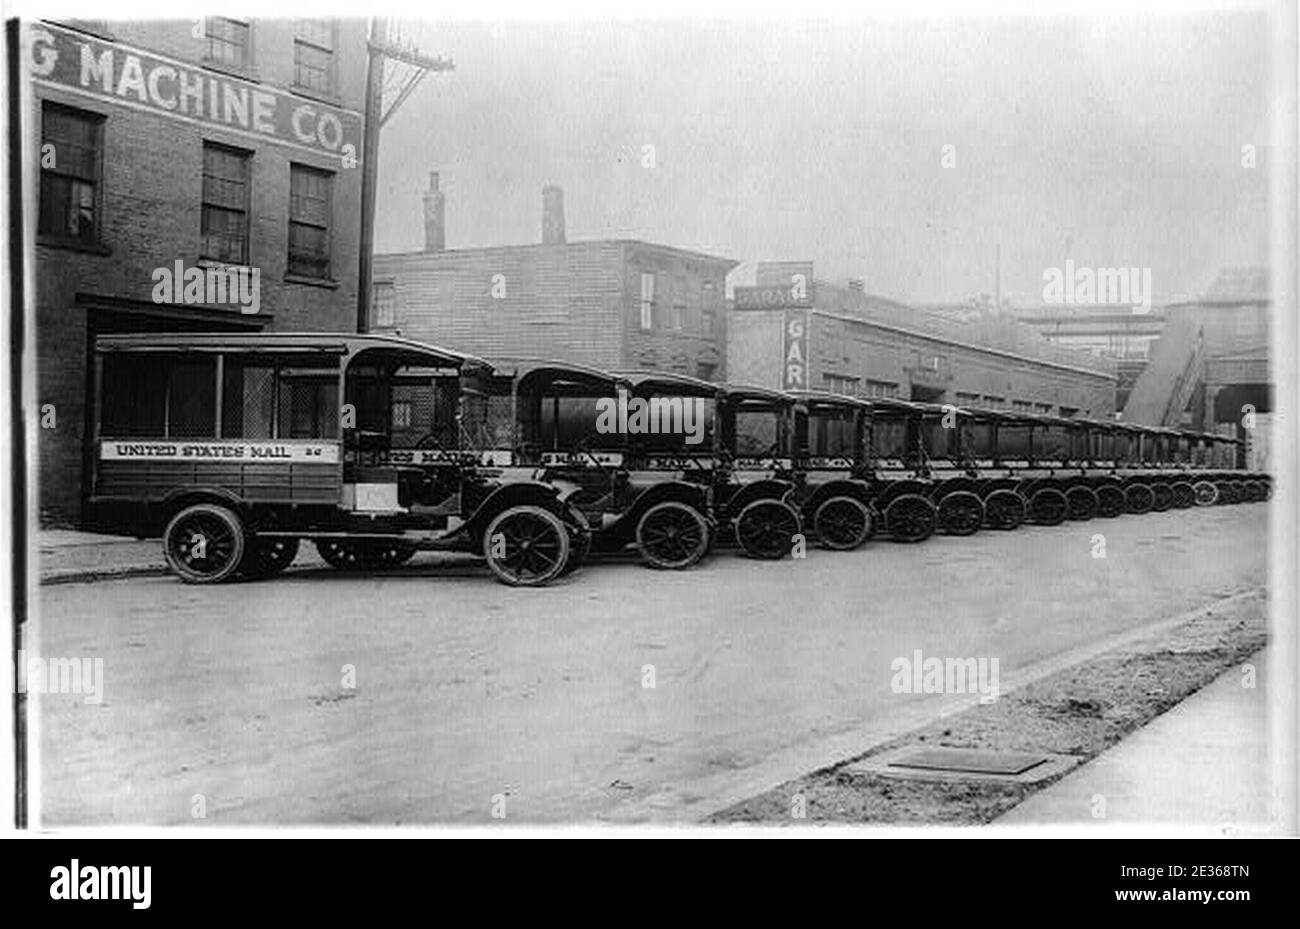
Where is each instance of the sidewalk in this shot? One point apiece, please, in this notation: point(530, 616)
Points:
point(1203, 763)
point(68, 556)
point(65, 555)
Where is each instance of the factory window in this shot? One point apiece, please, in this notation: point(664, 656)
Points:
point(707, 322)
point(1044, 408)
point(994, 403)
point(881, 389)
point(842, 384)
point(1246, 322)
point(1022, 406)
point(227, 41)
point(71, 158)
point(705, 370)
point(225, 204)
point(647, 301)
point(1069, 411)
point(313, 55)
point(967, 399)
point(679, 303)
point(310, 193)
point(384, 297)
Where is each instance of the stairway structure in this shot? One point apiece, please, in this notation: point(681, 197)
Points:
point(1169, 381)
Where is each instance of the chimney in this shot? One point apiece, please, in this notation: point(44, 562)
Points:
point(435, 229)
point(552, 215)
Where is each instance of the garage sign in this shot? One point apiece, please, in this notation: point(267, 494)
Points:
point(794, 369)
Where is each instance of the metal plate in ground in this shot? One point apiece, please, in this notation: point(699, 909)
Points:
point(969, 761)
point(898, 763)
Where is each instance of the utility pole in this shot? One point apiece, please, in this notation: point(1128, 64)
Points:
point(381, 49)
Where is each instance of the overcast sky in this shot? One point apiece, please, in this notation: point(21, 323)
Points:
point(1114, 142)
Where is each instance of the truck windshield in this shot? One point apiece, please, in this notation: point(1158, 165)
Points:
point(831, 433)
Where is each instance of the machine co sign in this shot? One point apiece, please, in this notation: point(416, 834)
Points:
point(794, 346)
point(172, 88)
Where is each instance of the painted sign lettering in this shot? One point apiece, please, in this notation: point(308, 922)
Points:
point(176, 89)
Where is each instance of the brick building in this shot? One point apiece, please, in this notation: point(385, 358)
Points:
point(788, 330)
point(616, 303)
point(227, 146)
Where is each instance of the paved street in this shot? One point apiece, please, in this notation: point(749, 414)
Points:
point(466, 689)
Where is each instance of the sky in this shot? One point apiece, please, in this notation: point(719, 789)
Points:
point(1111, 142)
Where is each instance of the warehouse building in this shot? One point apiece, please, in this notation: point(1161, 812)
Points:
point(788, 330)
point(611, 303)
point(1211, 364)
point(193, 174)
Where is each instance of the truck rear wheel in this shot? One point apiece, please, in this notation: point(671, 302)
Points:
point(266, 557)
point(204, 543)
point(364, 554)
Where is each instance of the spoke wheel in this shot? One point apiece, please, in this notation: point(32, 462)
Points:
point(1227, 492)
point(842, 523)
point(1048, 507)
point(1162, 497)
point(961, 513)
point(1110, 501)
point(910, 518)
point(526, 546)
point(203, 544)
point(672, 535)
point(1081, 503)
point(766, 529)
point(364, 554)
point(1207, 494)
point(1184, 495)
point(267, 557)
point(1005, 510)
point(1138, 499)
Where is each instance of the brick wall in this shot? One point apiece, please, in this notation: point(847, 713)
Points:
point(578, 302)
point(150, 216)
point(847, 348)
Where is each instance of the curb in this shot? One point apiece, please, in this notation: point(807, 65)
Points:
point(88, 575)
point(707, 797)
point(889, 801)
